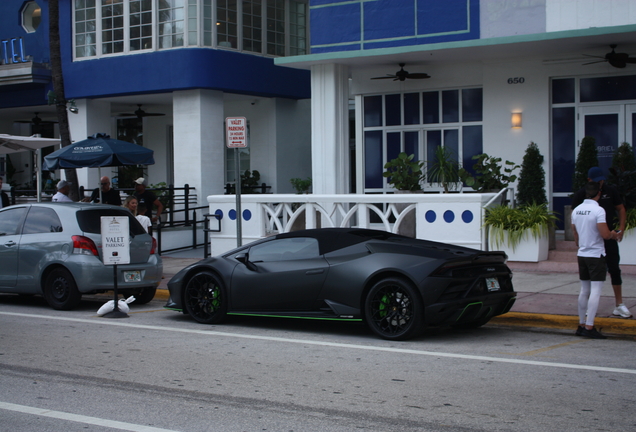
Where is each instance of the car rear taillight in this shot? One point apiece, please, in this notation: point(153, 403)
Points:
point(84, 246)
point(153, 249)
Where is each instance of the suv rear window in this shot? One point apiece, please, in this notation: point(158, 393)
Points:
point(90, 220)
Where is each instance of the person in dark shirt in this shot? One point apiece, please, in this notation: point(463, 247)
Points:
point(4, 198)
point(147, 198)
point(612, 202)
point(109, 195)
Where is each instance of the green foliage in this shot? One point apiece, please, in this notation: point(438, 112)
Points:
point(536, 218)
point(490, 174)
point(404, 173)
point(301, 186)
point(531, 187)
point(630, 221)
point(249, 182)
point(586, 159)
point(444, 169)
point(162, 192)
point(623, 174)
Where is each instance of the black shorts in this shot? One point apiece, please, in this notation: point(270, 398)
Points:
point(592, 269)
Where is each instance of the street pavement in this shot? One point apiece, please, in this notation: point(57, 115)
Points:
point(545, 299)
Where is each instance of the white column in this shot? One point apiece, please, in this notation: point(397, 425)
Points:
point(330, 128)
point(93, 117)
point(199, 147)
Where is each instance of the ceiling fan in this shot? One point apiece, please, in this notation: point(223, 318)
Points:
point(36, 121)
point(139, 113)
point(401, 75)
point(618, 60)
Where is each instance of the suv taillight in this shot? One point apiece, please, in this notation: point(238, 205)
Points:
point(153, 250)
point(84, 246)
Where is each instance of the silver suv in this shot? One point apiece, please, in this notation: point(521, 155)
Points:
point(55, 249)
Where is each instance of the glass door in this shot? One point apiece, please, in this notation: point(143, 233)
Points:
point(607, 125)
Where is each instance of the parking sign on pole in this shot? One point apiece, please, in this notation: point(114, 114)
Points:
point(236, 134)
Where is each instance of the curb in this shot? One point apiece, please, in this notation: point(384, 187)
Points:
point(617, 326)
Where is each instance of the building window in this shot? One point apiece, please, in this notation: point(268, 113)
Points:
point(171, 23)
point(419, 123)
point(116, 27)
point(268, 27)
point(85, 28)
point(31, 16)
point(140, 25)
point(113, 27)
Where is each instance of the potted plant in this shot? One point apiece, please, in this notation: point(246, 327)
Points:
point(623, 176)
point(302, 187)
point(444, 170)
point(586, 159)
point(404, 173)
point(531, 186)
point(490, 174)
point(521, 232)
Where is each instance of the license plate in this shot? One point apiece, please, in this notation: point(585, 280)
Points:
point(132, 276)
point(492, 284)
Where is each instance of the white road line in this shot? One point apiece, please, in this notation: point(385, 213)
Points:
point(105, 321)
point(80, 418)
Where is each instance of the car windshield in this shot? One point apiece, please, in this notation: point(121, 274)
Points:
point(90, 220)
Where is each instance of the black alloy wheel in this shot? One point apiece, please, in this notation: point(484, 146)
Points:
point(393, 309)
point(205, 299)
point(60, 290)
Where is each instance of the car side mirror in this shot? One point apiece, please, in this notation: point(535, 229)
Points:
point(245, 259)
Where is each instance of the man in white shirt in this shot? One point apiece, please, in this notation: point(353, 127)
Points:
point(63, 188)
point(590, 228)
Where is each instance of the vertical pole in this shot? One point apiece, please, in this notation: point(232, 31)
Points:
point(116, 294)
point(239, 233)
point(38, 173)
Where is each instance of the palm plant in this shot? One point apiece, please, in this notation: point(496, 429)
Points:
point(444, 169)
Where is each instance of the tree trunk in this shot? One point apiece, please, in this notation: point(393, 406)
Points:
point(58, 89)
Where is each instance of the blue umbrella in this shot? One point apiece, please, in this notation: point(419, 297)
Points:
point(99, 150)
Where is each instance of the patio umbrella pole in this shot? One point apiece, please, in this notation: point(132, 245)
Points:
point(38, 175)
point(116, 313)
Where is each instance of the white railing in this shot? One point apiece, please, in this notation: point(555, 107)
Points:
point(454, 218)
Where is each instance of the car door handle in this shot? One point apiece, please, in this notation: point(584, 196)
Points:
point(10, 243)
point(313, 272)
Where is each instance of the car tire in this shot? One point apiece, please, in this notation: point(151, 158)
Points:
point(205, 298)
point(60, 290)
point(145, 295)
point(393, 309)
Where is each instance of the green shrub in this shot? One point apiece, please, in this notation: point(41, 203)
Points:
point(404, 173)
point(531, 187)
point(515, 221)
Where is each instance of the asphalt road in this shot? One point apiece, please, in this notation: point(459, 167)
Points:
point(159, 370)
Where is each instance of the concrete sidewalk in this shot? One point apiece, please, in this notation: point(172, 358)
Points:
point(544, 299)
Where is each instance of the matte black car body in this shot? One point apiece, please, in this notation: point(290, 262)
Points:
point(397, 285)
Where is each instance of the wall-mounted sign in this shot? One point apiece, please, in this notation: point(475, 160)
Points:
point(13, 51)
point(236, 130)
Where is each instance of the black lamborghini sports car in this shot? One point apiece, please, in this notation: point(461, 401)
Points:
point(397, 285)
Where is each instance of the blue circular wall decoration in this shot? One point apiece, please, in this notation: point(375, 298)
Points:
point(467, 216)
point(449, 216)
point(232, 214)
point(219, 214)
point(430, 216)
point(247, 215)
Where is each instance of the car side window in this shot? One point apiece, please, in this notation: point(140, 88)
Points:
point(42, 220)
point(285, 249)
point(11, 220)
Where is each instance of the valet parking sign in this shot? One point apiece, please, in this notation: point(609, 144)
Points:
point(236, 128)
point(115, 240)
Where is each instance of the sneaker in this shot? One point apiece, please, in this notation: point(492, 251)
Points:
point(592, 334)
point(579, 330)
point(622, 311)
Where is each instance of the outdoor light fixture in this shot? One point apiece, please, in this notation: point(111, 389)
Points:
point(53, 101)
point(516, 120)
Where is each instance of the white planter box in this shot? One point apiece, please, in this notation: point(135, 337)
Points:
point(529, 249)
point(627, 248)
